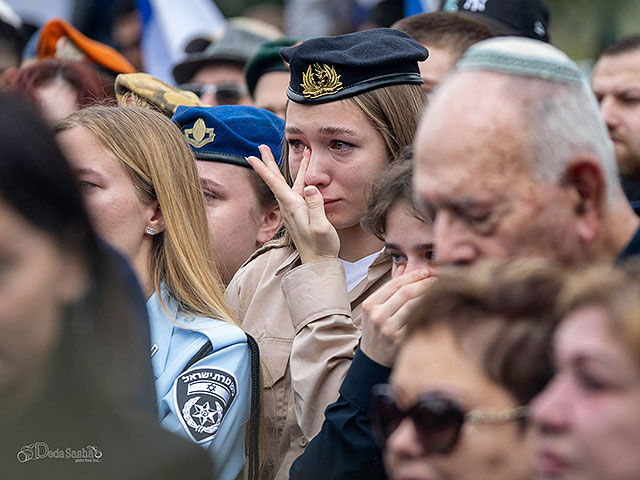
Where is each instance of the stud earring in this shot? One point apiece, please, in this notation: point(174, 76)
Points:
point(150, 230)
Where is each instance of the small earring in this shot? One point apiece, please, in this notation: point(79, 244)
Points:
point(150, 230)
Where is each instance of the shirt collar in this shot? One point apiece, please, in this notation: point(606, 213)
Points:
point(161, 325)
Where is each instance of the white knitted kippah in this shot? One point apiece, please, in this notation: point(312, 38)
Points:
point(522, 56)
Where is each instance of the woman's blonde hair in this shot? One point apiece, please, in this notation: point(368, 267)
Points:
point(162, 167)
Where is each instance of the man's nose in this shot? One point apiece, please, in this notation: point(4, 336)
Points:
point(453, 244)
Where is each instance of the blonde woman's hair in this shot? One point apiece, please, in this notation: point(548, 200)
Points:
point(162, 167)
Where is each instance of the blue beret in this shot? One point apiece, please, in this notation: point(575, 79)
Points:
point(325, 69)
point(229, 133)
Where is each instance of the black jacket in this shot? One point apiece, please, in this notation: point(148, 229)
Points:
point(345, 448)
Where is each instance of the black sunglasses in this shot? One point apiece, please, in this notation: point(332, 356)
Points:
point(226, 93)
point(437, 418)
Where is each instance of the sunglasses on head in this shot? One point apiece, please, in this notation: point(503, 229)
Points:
point(437, 418)
point(225, 93)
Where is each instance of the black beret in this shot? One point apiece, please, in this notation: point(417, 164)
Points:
point(525, 18)
point(325, 69)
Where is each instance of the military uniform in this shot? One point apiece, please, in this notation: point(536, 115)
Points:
point(308, 328)
point(303, 316)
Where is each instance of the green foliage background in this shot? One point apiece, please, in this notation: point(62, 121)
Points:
point(582, 28)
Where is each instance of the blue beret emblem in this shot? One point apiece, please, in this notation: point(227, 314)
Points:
point(199, 135)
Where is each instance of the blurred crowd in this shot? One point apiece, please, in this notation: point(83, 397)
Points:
point(322, 240)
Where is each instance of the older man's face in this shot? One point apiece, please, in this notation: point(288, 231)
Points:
point(472, 175)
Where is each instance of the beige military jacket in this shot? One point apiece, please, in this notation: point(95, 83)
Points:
point(308, 328)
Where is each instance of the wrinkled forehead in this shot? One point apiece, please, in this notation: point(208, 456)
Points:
point(474, 128)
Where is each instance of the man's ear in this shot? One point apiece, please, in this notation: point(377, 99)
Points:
point(270, 222)
point(586, 180)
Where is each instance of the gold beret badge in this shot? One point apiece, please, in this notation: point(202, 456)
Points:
point(320, 80)
point(199, 135)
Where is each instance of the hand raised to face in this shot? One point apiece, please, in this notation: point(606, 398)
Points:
point(302, 208)
point(385, 312)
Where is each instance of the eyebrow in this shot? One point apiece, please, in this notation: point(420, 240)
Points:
point(324, 130)
point(598, 90)
point(465, 202)
point(209, 183)
point(89, 171)
point(597, 357)
point(292, 130)
point(422, 246)
point(338, 131)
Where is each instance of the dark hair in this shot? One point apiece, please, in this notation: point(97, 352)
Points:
point(502, 315)
point(393, 185)
point(624, 45)
point(85, 80)
point(102, 351)
point(444, 30)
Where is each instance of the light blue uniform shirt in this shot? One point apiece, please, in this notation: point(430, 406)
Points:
point(210, 403)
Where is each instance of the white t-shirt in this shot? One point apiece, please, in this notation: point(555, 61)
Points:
point(357, 271)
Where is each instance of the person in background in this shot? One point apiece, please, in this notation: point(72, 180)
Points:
point(308, 18)
point(348, 117)
point(267, 76)
point(393, 217)
point(56, 87)
point(216, 74)
point(60, 40)
point(345, 444)
point(447, 36)
point(475, 355)
point(248, 220)
point(242, 212)
point(141, 189)
point(616, 84)
point(587, 417)
point(126, 33)
point(72, 358)
point(522, 18)
point(503, 170)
